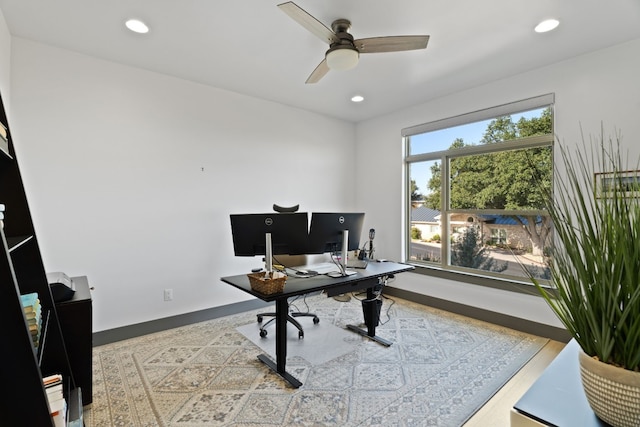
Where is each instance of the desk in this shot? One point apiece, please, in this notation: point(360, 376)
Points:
point(367, 279)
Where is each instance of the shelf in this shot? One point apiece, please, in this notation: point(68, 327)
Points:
point(15, 242)
point(43, 337)
point(4, 146)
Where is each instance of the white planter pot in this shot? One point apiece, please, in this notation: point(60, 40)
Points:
point(613, 393)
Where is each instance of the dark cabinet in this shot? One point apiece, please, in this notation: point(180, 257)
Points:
point(75, 318)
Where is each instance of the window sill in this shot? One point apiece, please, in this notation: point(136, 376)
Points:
point(523, 286)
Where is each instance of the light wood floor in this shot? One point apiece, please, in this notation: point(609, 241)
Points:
point(495, 413)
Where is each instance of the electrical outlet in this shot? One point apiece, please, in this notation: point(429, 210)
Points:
point(168, 294)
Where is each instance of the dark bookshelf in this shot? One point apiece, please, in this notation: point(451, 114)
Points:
point(22, 272)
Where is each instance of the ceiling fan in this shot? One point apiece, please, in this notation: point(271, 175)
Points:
point(344, 51)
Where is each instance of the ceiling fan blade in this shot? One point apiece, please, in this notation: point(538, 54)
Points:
point(319, 72)
point(391, 44)
point(309, 22)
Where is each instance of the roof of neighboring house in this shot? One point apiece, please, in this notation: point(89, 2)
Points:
point(504, 219)
point(424, 214)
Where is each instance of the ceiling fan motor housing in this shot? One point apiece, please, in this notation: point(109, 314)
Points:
point(342, 54)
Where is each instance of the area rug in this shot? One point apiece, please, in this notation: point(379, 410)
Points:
point(439, 371)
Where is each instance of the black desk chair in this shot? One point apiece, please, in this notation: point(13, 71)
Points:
point(287, 260)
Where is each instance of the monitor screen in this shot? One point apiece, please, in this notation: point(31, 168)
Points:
point(325, 233)
point(288, 233)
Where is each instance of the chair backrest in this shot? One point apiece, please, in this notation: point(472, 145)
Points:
point(290, 260)
point(283, 209)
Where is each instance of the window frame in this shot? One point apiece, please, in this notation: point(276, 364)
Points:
point(499, 236)
point(444, 269)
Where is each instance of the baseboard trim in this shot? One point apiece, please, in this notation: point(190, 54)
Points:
point(138, 329)
point(523, 325)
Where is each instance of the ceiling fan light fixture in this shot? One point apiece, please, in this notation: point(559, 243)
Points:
point(342, 59)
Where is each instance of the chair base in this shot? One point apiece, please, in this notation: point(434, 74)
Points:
point(290, 318)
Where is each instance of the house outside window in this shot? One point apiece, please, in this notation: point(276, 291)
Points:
point(477, 179)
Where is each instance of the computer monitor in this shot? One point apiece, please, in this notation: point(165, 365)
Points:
point(327, 230)
point(288, 233)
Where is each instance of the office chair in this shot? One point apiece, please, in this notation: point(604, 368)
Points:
point(287, 260)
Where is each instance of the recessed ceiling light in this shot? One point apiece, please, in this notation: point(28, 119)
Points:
point(357, 98)
point(547, 25)
point(137, 26)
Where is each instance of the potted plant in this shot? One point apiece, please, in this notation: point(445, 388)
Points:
point(595, 272)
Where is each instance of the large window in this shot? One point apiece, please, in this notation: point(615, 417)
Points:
point(474, 190)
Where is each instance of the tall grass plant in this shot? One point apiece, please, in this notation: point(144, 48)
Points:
point(595, 257)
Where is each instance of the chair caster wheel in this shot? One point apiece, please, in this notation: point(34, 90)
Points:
point(316, 320)
point(259, 319)
point(300, 334)
point(263, 333)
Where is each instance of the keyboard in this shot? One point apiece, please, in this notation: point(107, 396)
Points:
point(320, 268)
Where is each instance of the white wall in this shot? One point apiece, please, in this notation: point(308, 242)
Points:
point(590, 90)
point(5, 63)
point(131, 177)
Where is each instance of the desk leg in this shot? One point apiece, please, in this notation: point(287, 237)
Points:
point(282, 309)
point(371, 320)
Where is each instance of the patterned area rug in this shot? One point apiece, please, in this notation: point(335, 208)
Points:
point(439, 371)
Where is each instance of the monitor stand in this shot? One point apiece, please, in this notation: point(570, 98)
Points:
point(268, 253)
point(342, 264)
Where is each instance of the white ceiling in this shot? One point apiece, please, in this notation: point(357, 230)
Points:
point(252, 47)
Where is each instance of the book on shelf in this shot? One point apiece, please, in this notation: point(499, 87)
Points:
point(52, 380)
point(54, 392)
point(55, 398)
point(53, 388)
point(58, 410)
point(30, 302)
point(36, 340)
point(35, 321)
point(33, 314)
point(4, 142)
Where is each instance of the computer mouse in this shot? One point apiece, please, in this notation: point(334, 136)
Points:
point(301, 273)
